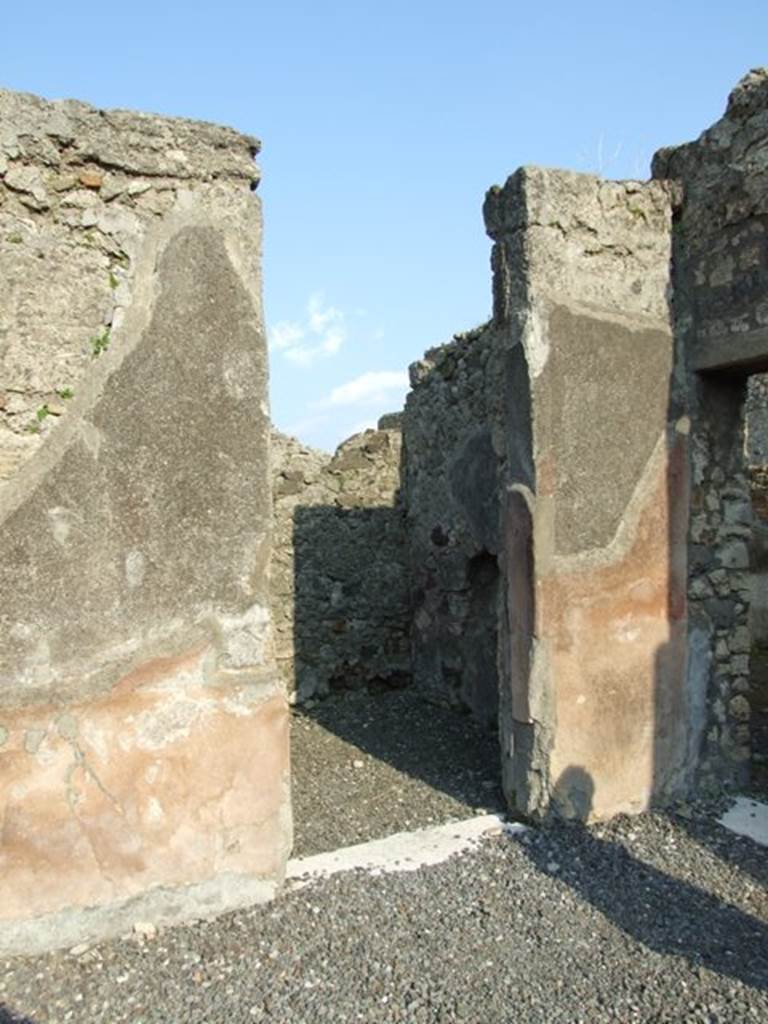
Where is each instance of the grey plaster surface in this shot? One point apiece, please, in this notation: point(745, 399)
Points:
point(137, 525)
point(609, 401)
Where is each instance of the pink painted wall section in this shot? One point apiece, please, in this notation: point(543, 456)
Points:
point(595, 719)
point(143, 727)
point(139, 788)
point(616, 634)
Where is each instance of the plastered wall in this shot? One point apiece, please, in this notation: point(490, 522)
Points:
point(143, 728)
point(559, 540)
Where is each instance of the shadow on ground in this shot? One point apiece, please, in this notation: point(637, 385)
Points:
point(9, 1017)
point(739, 852)
point(667, 915)
point(366, 765)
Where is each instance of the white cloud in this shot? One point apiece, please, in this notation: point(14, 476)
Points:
point(374, 387)
point(284, 335)
point(319, 335)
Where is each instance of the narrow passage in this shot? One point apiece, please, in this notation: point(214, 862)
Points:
point(366, 765)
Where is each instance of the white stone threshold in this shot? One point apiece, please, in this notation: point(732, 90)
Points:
point(403, 851)
point(748, 818)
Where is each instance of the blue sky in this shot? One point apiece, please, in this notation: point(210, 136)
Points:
point(382, 126)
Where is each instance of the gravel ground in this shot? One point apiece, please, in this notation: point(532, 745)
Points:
point(367, 765)
point(653, 919)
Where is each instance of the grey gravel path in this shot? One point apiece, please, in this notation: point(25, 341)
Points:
point(656, 919)
point(367, 765)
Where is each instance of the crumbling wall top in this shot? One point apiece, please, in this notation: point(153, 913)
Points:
point(81, 190)
point(720, 255)
point(64, 134)
point(571, 234)
point(747, 108)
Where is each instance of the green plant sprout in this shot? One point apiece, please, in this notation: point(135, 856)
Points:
point(100, 343)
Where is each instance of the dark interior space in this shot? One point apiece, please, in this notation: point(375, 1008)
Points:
point(372, 754)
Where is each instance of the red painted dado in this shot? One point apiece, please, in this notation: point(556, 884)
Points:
point(140, 788)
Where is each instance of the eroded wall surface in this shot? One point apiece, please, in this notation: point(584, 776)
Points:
point(595, 716)
point(756, 420)
point(79, 191)
point(143, 730)
point(339, 576)
point(453, 448)
point(721, 320)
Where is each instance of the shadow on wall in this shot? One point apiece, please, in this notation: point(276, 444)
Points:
point(455, 636)
point(701, 738)
point(718, 583)
point(350, 599)
point(672, 917)
point(7, 1016)
point(352, 620)
point(719, 667)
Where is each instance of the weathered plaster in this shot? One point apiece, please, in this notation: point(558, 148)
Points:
point(165, 782)
point(144, 763)
point(592, 648)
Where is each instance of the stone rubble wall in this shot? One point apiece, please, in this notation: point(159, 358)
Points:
point(757, 421)
point(143, 728)
point(720, 589)
point(79, 191)
point(339, 579)
point(721, 286)
point(721, 320)
point(758, 607)
point(757, 462)
point(452, 473)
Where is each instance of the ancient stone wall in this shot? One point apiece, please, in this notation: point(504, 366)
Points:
point(758, 558)
point(547, 539)
point(757, 421)
point(594, 716)
point(452, 495)
point(80, 190)
point(339, 579)
point(589, 423)
point(562, 544)
point(756, 418)
point(143, 730)
point(721, 321)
